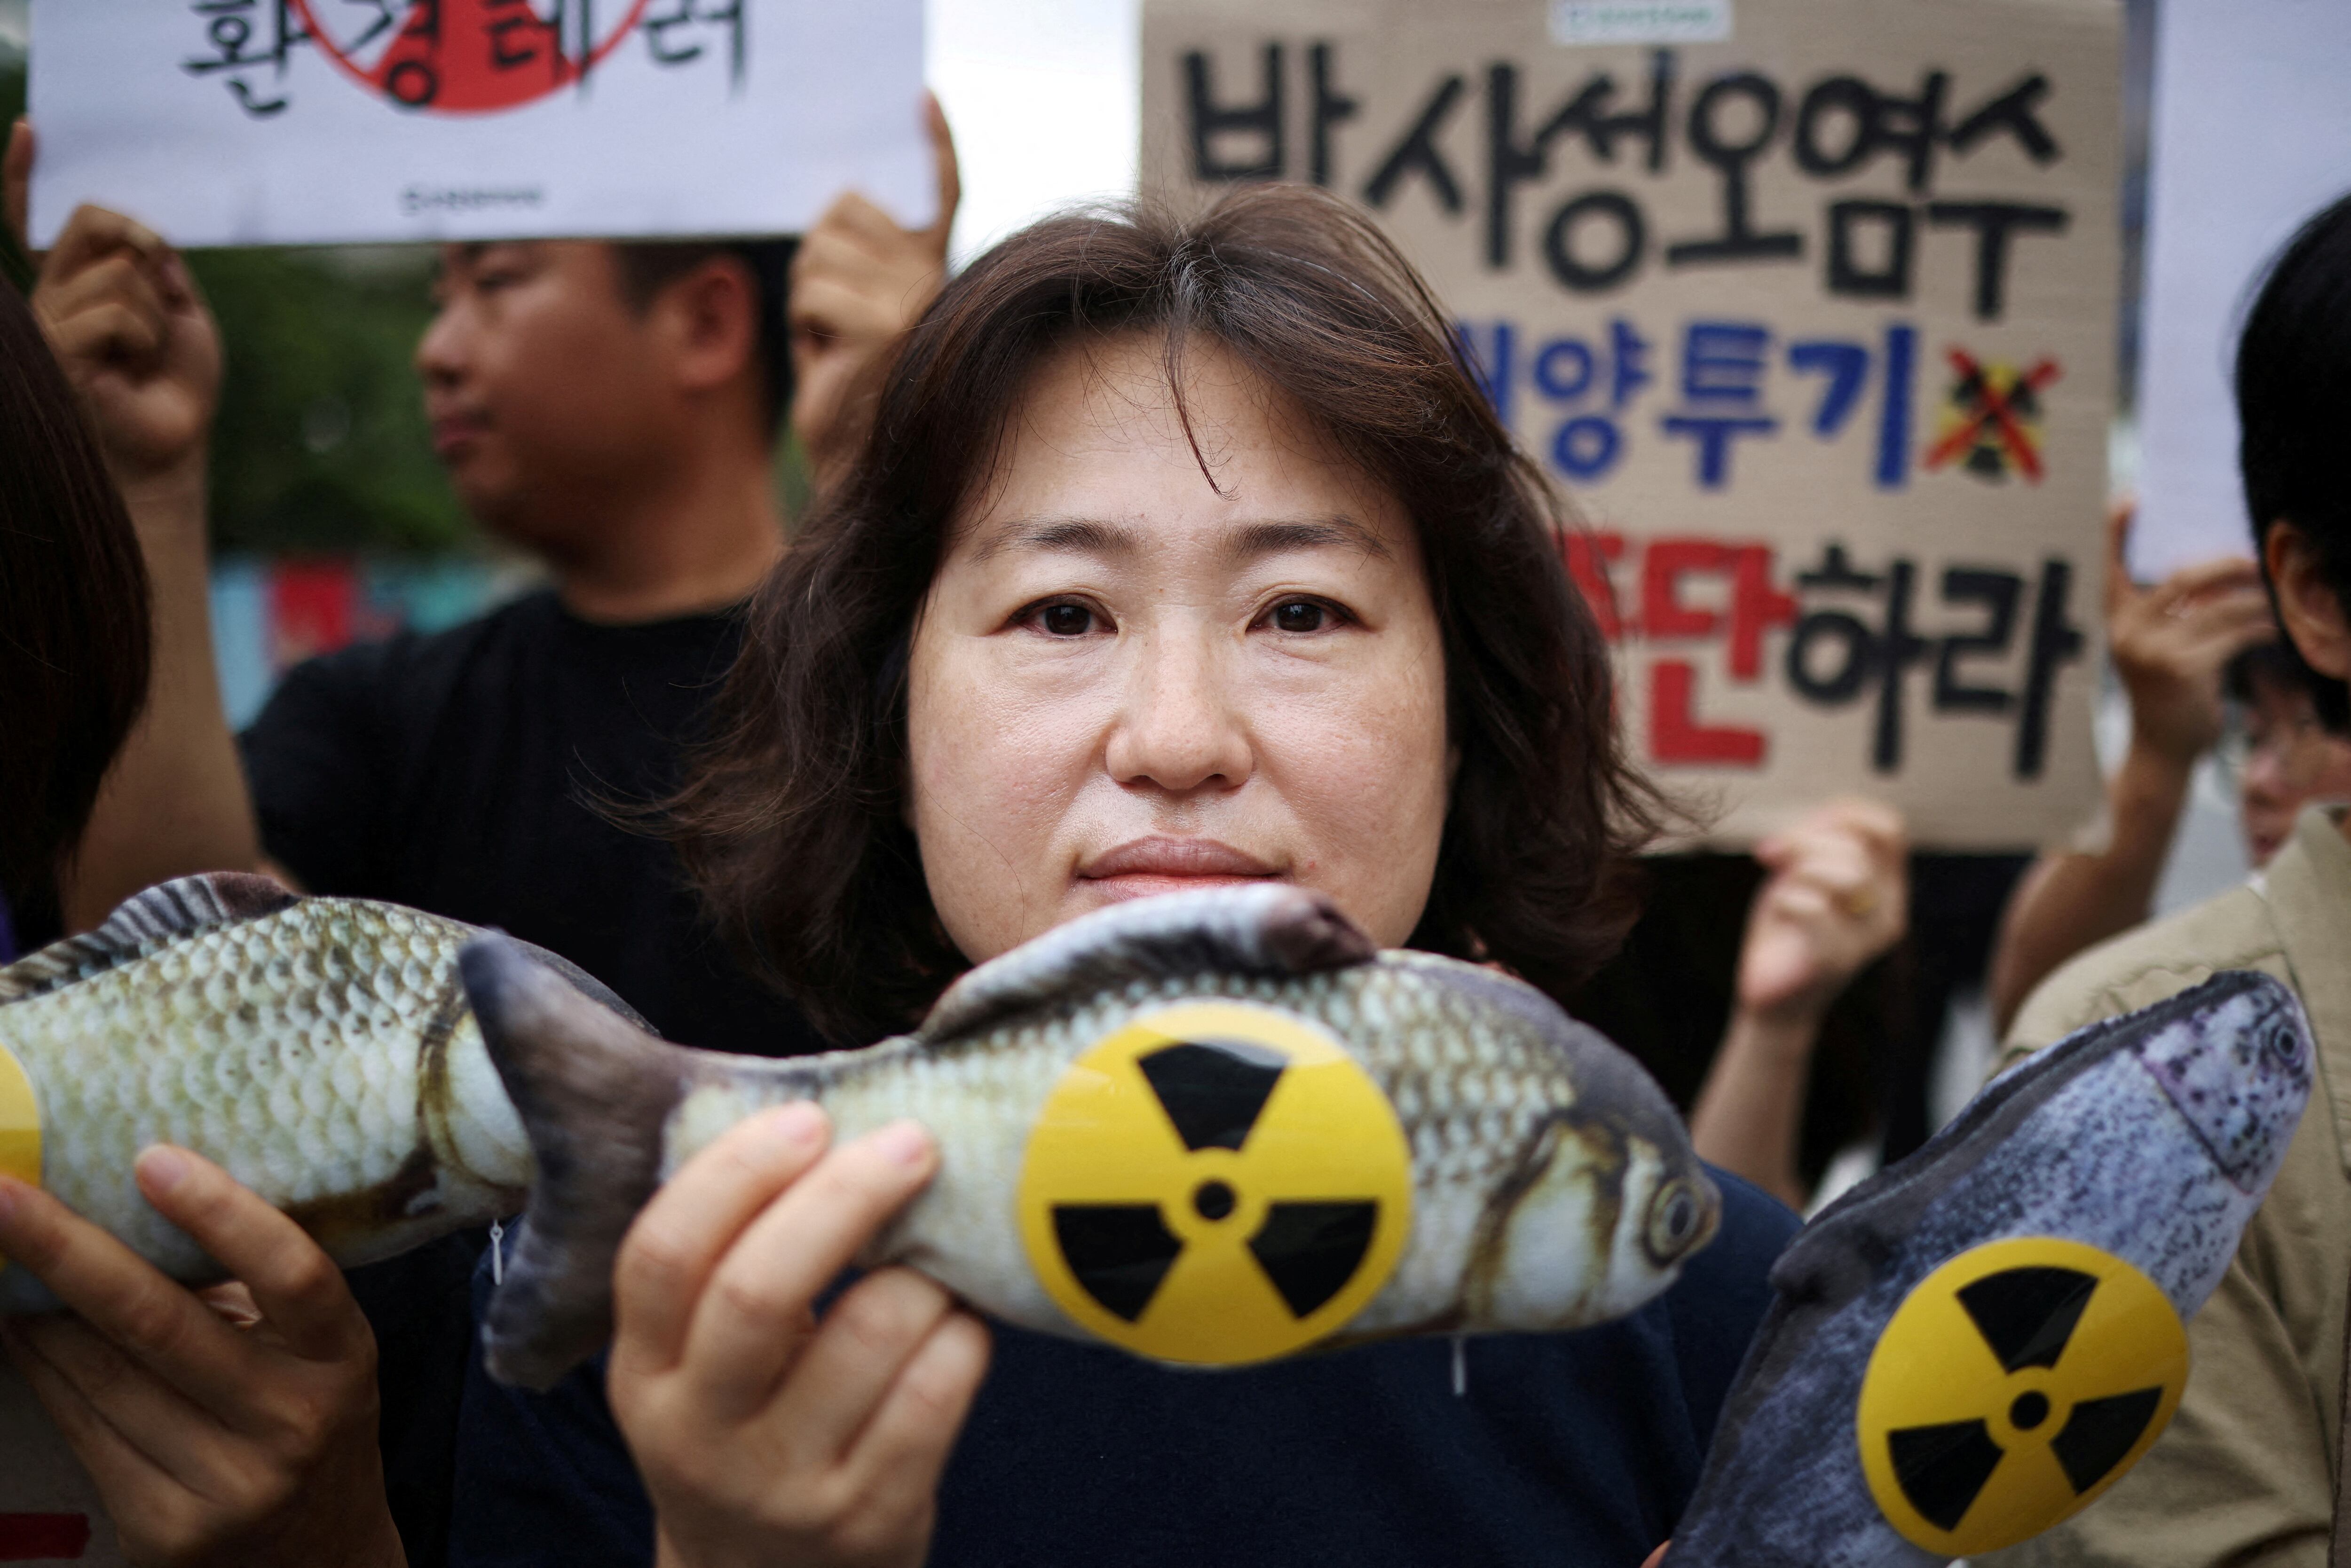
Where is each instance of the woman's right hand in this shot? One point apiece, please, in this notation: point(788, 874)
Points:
point(764, 1436)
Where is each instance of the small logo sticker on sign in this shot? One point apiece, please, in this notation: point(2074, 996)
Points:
point(1640, 21)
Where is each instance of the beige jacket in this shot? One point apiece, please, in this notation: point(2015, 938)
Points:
point(2245, 1475)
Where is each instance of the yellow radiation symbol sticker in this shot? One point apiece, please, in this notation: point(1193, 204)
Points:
point(20, 1125)
point(1216, 1182)
point(2018, 1381)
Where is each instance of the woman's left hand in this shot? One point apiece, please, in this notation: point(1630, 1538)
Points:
point(1837, 898)
point(235, 1425)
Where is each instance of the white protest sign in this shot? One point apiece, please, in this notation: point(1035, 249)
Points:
point(2252, 134)
point(1808, 304)
point(326, 122)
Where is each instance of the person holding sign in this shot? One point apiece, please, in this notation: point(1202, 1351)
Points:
point(611, 408)
point(1178, 555)
point(1838, 898)
point(2249, 1472)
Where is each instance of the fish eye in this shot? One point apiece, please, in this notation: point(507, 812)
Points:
point(2284, 1046)
point(1675, 1216)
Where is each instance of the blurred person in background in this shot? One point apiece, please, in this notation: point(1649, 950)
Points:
point(2279, 751)
point(2170, 644)
point(1791, 1000)
point(612, 409)
point(237, 1423)
point(2247, 1474)
point(1835, 899)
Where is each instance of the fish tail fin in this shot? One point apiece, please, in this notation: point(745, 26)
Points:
point(594, 1091)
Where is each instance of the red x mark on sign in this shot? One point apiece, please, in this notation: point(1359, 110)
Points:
point(1992, 409)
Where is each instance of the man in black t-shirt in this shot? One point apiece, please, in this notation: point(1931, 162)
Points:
point(610, 409)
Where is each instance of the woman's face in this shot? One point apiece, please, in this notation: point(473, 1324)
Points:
point(1124, 682)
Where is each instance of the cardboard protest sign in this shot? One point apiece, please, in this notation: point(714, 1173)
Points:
point(278, 121)
point(1808, 303)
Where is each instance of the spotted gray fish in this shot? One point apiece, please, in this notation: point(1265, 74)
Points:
point(321, 1049)
point(1979, 1341)
point(1208, 1127)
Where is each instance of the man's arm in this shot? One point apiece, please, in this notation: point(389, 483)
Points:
point(138, 346)
point(1838, 897)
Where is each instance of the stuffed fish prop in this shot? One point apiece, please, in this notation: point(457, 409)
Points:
point(1977, 1343)
point(1211, 1128)
point(319, 1049)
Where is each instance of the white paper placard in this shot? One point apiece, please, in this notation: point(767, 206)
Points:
point(333, 121)
point(2252, 135)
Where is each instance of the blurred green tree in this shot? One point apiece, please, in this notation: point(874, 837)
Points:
point(322, 443)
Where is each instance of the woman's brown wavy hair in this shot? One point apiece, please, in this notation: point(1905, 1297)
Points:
point(793, 820)
point(73, 636)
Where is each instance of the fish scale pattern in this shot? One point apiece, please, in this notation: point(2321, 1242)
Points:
point(1472, 1070)
point(285, 1048)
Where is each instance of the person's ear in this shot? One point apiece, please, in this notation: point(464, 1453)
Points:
point(2308, 604)
point(711, 323)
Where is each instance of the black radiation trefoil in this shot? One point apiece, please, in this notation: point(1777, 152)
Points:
point(1215, 1183)
point(1213, 1094)
point(2100, 1432)
point(2026, 1315)
point(1119, 1251)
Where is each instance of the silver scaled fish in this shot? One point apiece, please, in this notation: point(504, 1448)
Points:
point(1211, 1128)
point(1977, 1343)
point(319, 1049)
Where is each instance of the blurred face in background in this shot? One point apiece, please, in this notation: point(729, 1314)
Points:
point(2284, 759)
point(548, 393)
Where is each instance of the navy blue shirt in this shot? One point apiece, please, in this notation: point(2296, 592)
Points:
point(1575, 1448)
point(465, 773)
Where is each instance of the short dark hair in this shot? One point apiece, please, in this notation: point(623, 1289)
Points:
point(2293, 411)
point(792, 822)
point(648, 267)
point(74, 641)
point(2264, 667)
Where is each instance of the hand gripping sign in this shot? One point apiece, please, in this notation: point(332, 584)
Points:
point(1216, 1182)
point(301, 121)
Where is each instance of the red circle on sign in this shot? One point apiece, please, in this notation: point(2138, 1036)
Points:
point(469, 57)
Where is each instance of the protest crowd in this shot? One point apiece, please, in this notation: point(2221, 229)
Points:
point(1156, 547)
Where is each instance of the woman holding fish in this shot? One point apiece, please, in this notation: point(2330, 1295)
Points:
point(1183, 557)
